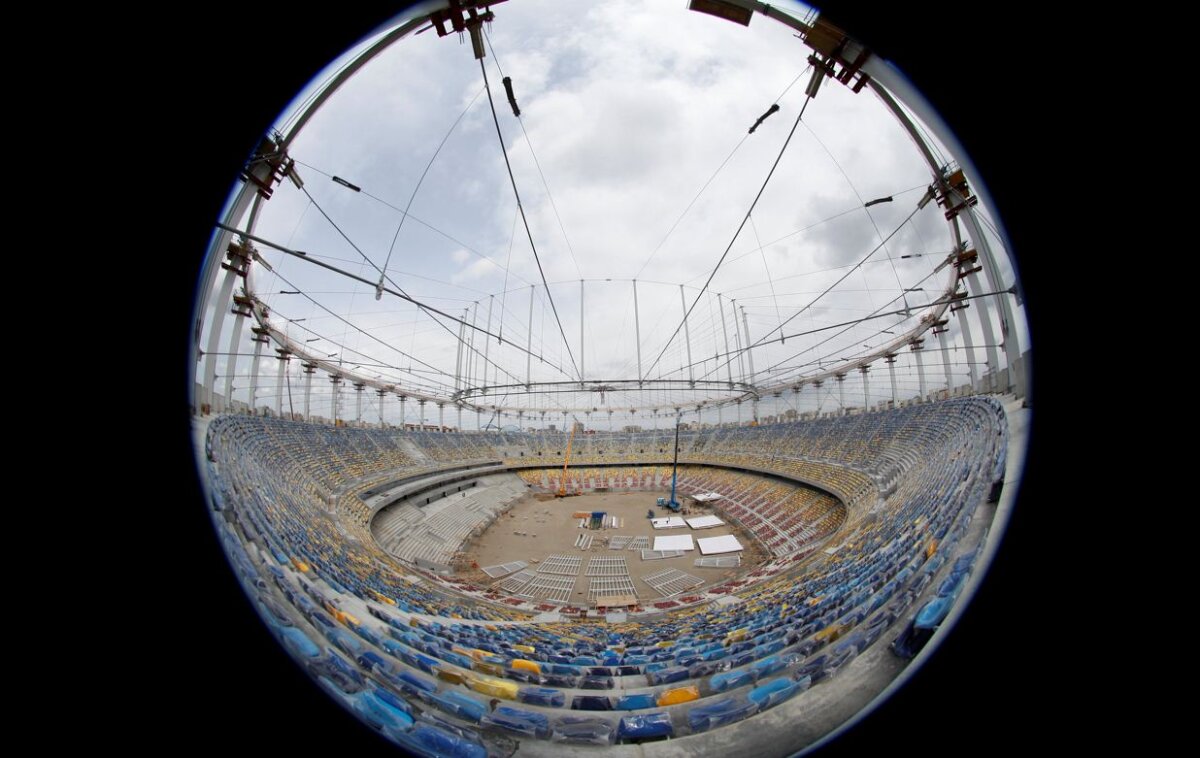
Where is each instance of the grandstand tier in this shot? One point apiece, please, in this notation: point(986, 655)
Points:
point(318, 524)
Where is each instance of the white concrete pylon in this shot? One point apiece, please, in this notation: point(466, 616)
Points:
point(917, 351)
point(259, 341)
point(866, 390)
point(891, 364)
point(283, 360)
point(309, 370)
point(946, 360)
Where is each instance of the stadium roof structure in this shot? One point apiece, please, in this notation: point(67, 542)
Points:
point(504, 216)
point(654, 213)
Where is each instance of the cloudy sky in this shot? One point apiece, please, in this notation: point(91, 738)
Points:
point(630, 109)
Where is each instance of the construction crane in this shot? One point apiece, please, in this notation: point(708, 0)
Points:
point(562, 484)
point(673, 504)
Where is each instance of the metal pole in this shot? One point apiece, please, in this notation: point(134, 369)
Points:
point(725, 332)
point(749, 352)
point(750, 361)
point(687, 336)
point(487, 343)
point(458, 360)
point(529, 342)
point(637, 331)
point(469, 370)
point(675, 463)
point(581, 374)
point(741, 354)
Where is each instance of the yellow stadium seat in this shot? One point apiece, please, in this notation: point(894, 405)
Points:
point(494, 687)
point(453, 677)
point(830, 633)
point(524, 665)
point(679, 695)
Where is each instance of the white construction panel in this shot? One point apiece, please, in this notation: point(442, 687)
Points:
point(726, 543)
point(704, 522)
point(676, 542)
point(671, 522)
point(504, 568)
point(707, 497)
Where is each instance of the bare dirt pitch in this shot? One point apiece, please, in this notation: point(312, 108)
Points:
point(539, 525)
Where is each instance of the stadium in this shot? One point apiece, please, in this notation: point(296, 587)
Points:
point(577, 415)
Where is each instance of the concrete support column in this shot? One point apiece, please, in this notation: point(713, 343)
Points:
point(841, 380)
point(918, 351)
point(403, 416)
point(965, 326)
point(309, 370)
point(441, 419)
point(284, 355)
point(891, 363)
point(260, 338)
point(941, 335)
point(866, 390)
point(336, 395)
point(382, 396)
point(1009, 333)
point(233, 270)
point(241, 307)
point(358, 390)
point(985, 321)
